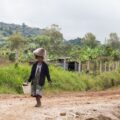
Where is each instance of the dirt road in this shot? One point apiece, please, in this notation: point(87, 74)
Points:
point(66, 106)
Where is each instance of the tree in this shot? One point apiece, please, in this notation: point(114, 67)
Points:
point(114, 41)
point(116, 55)
point(75, 55)
point(55, 39)
point(17, 42)
point(90, 40)
point(43, 41)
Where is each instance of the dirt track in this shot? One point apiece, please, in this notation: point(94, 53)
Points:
point(66, 106)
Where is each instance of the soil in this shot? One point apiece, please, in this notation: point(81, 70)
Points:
point(104, 105)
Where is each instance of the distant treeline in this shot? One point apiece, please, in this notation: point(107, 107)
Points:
point(9, 29)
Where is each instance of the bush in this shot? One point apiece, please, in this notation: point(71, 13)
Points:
point(12, 57)
point(108, 80)
point(11, 78)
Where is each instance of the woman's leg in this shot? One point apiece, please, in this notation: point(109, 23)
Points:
point(38, 100)
point(38, 95)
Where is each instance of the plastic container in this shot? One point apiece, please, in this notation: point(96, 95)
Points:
point(27, 89)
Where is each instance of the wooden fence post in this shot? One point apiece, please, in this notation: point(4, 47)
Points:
point(79, 67)
point(88, 65)
point(65, 64)
point(100, 66)
point(109, 67)
point(105, 66)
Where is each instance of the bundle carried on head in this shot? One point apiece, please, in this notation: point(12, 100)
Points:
point(40, 52)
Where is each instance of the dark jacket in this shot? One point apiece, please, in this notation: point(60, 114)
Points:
point(44, 73)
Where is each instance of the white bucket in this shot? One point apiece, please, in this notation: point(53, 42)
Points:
point(27, 89)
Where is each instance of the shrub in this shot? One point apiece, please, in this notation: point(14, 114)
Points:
point(12, 57)
point(12, 78)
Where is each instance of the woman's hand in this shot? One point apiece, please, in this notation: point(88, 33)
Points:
point(25, 83)
point(50, 83)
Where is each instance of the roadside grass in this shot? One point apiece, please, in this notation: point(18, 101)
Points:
point(12, 78)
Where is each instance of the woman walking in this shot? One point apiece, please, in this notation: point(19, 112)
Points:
point(38, 74)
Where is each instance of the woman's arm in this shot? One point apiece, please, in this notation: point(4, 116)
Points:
point(48, 74)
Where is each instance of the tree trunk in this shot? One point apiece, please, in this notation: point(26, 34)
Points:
point(95, 68)
point(117, 65)
point(113, 66)
point(109, 67)
point(105, 67)
point(100, 67)
point(16, 56)
point(88, 66)
point(79, 67)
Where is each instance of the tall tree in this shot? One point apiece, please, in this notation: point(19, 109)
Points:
point(42, 41)
point(17, 42)
point(114, 41)
point(55, 38)
point(90, 40)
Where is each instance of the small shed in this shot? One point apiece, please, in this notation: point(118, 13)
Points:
point(66, 63)
point(63, 62)
point(73, 66)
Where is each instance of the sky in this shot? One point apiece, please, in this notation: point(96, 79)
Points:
point(75, 17)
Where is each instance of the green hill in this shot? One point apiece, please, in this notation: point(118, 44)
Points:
point(8, 29)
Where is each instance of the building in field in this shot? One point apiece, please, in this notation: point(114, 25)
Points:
point(66, 63)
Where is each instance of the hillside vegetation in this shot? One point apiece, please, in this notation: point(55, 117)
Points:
point(8, 29)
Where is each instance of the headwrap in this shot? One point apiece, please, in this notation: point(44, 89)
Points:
point(40, 52)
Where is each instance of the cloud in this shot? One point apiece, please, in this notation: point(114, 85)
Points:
point(75, 17)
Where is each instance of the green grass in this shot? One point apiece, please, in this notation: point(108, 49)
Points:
point(11, 80)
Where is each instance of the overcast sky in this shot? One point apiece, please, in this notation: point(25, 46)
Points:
point(75, 17)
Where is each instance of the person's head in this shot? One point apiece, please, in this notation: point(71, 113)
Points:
point(39, 54)
point(39, 58)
